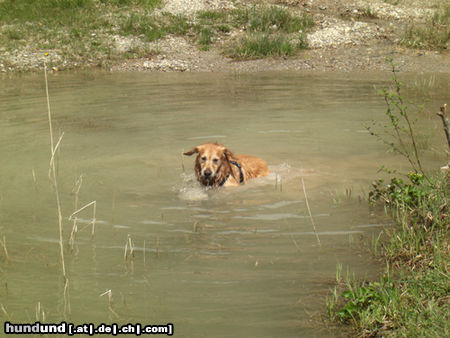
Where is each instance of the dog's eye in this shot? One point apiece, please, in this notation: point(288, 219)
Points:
point(216, 160)
point(204, 158)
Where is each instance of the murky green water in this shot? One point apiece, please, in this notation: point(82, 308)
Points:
point(241, 262)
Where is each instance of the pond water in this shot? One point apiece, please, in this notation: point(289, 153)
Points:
point(238, 262)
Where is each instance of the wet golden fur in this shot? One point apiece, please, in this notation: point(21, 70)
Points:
point(214, 167)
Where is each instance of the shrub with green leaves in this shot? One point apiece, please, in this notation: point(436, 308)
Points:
point(413, 300)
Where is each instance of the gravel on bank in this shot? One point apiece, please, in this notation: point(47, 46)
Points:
point(348, 36)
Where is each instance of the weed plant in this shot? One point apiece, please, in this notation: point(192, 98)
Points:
point(411, 298)
point(270, 31)
point(433, 35)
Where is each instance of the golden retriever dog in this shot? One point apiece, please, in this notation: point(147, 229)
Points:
point(216, 166)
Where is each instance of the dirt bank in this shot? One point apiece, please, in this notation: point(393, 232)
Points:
point(347, 36)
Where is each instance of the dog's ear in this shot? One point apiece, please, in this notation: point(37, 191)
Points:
point(193, 151)
point(228, 154)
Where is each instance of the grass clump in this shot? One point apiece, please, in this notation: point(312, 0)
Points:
point(267, 19)
point(411, 298)
point(210, 26)
point(271, 31)
point(433, 35)
point(260, 45)
point(152, 28)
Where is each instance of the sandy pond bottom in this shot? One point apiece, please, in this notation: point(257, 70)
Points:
point(241, 262)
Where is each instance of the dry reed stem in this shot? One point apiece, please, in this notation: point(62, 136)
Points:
point(40, 313)
point(5, 312)
point(310, 214)
point(67, 308)
point(33, 174)
point(53, 176)
point(3, 243)
point(110, 302)
point(128, 257)
point(52, 159)
point(128, 245)
point(76, 191)
point(94, 203)
point(125, 252)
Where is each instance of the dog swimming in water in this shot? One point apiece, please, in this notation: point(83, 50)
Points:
point(216, 166)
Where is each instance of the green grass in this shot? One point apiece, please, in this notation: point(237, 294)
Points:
point(433, 35)
point(405, 305)
point(152, 28)
point(212, 16)
point(411, 298)
point(206, 38)
point(253, 46)
point(267, 19)
point(271, 31)
point(84, 32)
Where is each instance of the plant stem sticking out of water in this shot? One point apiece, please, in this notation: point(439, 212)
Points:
point(5, 312)
point(310, 215)
point(52, 173)
point(445, 122)
point(94, 211)
point(128, 256)
point(33, 174)
point(76, 191)
point(40, 313)
point(3, 243)
point(402, 139)
point(110, 302)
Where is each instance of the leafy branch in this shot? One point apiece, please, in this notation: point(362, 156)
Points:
point(402, 127)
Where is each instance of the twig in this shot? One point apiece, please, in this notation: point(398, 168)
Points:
point(404, 114)
point(445, 122)
point(310, 215)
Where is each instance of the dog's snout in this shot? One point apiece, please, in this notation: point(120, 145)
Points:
point(207, 173)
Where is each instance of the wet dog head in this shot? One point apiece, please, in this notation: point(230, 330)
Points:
point(212, 163)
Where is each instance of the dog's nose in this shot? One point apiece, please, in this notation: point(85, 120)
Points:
point(208, 172)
